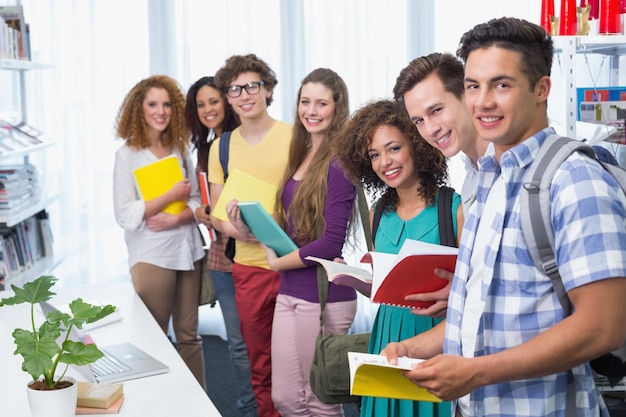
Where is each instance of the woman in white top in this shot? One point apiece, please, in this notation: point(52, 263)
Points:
point(164, 249)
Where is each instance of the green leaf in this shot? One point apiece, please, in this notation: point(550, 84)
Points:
point(38, 353)
point(87, 313)
point(33, 292)
point(77, 353)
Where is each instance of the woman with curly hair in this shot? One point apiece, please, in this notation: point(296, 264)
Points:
point(381, 148)
point(164, 249)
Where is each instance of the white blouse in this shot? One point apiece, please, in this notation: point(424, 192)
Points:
point(174, 249)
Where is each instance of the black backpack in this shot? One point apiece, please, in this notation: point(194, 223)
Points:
point(229, 251)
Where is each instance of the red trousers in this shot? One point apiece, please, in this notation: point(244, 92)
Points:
point(255, 294)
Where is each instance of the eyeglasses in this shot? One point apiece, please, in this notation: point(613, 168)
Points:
point(253, 87)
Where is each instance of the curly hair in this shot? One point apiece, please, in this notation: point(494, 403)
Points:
point(307, 207)
point(131, 123)
point(352, 144)
point(199, 132)
point(238, 64)
point(531, 41)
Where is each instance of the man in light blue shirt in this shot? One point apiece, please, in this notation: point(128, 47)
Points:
point(508, 347)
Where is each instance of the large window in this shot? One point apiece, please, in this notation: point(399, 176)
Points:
point(99, 50)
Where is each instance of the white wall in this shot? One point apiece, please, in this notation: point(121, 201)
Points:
point(449, 27)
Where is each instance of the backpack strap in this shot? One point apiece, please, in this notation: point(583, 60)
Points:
point(444, 208)
point(229, 251)
point(535, 216)
point(365, 215)
point(224, 149)
point(444, 218)
point(378, 212)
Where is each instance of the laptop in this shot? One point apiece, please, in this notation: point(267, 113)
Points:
point(121, 362)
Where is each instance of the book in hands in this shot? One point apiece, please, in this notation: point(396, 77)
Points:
point(244, 187)
point(373, 376)
point(412, 271)
point(155, 179)
point(264, 227)
point(394, 277)
point(342, 274)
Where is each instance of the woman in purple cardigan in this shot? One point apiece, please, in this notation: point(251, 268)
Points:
point(315, 203)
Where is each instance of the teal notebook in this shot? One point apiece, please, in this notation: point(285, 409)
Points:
point(265, 228)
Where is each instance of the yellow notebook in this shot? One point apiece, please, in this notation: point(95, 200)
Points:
point(372, 376)
point(157, 178)
point(244, 187)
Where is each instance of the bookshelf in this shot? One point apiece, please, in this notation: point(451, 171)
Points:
point(572, 54)
point(26, 242)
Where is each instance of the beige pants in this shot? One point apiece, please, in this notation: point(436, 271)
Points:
point(174, 293)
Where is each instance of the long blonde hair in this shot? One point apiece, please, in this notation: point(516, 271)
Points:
point(307, 208)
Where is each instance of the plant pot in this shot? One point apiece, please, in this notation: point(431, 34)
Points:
point(53, 403)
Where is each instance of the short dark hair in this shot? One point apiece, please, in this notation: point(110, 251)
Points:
point(238, 64)
point(529, 40)
point(446, 66)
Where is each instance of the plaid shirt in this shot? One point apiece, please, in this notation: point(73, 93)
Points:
point(216, 259)
point(518, 301)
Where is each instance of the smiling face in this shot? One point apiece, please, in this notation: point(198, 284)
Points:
point(316, 108)
point(505, 108)
point(210, 107)
point(441, 118)
point(157, 110)
point(249, 106)
point(390, 156)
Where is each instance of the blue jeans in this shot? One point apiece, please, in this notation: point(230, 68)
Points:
point(225, 294)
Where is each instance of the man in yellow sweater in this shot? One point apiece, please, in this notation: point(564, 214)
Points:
point(259, 147)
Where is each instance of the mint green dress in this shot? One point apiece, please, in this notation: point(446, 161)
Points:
point(393, 324)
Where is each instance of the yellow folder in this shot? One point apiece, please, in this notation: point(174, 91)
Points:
point(244, 187)
point(157, 178)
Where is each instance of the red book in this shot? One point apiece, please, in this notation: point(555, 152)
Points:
point(206, 199)
point(394, 277)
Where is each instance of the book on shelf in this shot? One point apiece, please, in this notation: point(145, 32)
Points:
point(203, 183)
point(16, 38)
point(244, 187)
point(393, 277)
point(45, 233)
point(373, 376)
point(264, 227)
point(155, 179)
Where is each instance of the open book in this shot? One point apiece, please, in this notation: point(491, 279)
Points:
point(350, 276)
point(394, 277)
point(372, 376)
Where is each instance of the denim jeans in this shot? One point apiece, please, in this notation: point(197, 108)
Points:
point(225, 294)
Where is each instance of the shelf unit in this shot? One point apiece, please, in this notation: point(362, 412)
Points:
point(569, 49)
point(12, 219)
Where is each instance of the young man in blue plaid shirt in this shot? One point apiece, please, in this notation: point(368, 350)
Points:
point(508, 347)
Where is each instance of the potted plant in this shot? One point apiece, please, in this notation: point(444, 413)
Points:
point(43, 348)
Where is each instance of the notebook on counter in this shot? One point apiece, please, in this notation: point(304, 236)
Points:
point(121, 362)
